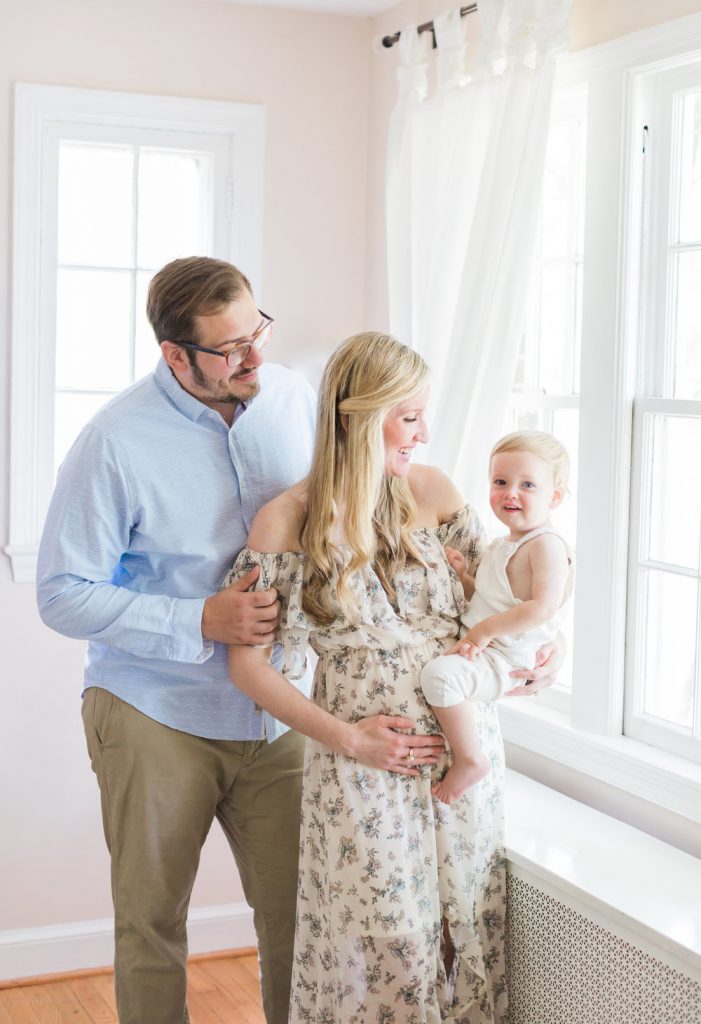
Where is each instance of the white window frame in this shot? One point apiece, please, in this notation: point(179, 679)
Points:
point(590, 738)
point(43, 114)
point(638, 724)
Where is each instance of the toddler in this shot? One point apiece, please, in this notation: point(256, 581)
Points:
point(521, 584)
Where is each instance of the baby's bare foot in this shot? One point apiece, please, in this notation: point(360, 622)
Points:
point(459, 777)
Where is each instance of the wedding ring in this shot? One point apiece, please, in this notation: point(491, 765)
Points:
point(410, 755)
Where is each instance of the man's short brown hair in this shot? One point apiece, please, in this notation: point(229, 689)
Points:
point(191, 287)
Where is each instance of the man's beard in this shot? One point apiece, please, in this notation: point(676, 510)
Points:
point(218, 390)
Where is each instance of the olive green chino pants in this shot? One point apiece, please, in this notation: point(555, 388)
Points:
point(160, 791)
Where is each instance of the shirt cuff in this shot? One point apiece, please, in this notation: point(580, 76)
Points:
point(187, 641)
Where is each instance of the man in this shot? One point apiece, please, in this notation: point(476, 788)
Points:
point(152, 505)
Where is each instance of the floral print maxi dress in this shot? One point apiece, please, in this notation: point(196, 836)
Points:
point(383, 864)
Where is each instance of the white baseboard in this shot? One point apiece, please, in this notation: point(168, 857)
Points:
point(28, 952)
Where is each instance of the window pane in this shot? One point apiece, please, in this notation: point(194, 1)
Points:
point(146, 350)
point(670, 644)
point(558, 320)
point(550, 350)
point(173, 206)
point(563, 184)
point(93, 329)
point(95, 205)
point(72, 413)
point(687, 370)
point(690, 197)
point(565, 427)
point(676, 491)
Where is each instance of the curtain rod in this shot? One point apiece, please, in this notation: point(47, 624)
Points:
point(388, 41)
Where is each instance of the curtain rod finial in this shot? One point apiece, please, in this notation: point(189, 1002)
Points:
point(381, 43)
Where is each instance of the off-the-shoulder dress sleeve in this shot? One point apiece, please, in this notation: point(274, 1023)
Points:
point(465, 533)
point(284, 572)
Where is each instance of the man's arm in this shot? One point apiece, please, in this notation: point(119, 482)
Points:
point(87, 531)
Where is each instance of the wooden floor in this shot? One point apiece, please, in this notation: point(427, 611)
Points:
point(220, 991)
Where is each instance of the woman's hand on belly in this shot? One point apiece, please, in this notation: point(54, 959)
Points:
point(377, 743)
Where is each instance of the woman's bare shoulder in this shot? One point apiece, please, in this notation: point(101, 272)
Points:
point(278, 525)
point(436, 496)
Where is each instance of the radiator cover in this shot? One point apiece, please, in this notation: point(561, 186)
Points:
point(567, 967)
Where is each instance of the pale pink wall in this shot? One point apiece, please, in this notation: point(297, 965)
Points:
point(311, 73)
point(596, 21)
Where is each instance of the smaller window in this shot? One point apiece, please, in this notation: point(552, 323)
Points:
point(123, 212)
point(108, 187)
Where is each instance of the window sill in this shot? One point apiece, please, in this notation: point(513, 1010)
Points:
point(653, 775)
point(23, 559)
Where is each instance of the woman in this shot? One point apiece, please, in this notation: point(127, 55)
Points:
point(400, 913)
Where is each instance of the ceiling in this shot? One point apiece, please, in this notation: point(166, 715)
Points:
point(363, 8)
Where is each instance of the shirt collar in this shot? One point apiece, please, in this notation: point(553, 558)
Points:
point(186, 403)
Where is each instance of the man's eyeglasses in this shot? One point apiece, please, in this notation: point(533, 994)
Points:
point(236, 355)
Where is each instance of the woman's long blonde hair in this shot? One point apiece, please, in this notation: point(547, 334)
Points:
point(365, 377)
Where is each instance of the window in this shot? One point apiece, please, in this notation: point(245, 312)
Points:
point(663, 691)
point(108, 188)
point(124, 210)
point(626, 280)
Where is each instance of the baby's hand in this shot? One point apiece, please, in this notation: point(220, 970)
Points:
point(476, 640)
point(456, 560)
point(465, 648)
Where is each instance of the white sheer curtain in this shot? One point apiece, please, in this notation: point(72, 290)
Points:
point(465, 169)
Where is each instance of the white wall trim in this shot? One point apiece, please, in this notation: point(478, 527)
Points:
point(75, 946)
point(654, 45)
point(653, 775)
point(39, 111)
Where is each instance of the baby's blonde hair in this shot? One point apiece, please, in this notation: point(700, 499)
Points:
point(539, 443)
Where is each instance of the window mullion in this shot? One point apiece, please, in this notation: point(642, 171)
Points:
point(605, 404)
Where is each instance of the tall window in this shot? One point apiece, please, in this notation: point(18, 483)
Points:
point(663, 694)
point(611, 363)
point(108, 188)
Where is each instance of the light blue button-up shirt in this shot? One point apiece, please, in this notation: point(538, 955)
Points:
point(152, 504)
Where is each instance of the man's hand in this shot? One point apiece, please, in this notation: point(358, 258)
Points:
point(234, 616)
point(376, 743)
point(548, 662)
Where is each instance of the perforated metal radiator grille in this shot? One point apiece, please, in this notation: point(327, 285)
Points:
point(566, 969)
